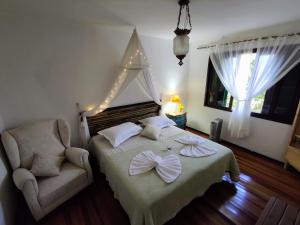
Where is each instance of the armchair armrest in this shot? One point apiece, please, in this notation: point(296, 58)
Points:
point(80, 157)
point(77, 156)
point(26, 182)
point(21, 176)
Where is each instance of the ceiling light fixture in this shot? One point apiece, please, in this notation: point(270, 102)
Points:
point(181, 41)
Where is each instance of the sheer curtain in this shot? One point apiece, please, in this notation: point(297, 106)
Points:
point(273, 59)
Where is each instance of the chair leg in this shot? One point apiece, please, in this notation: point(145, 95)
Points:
point(285, 164)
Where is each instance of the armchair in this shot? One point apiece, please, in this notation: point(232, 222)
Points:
point(43, 194)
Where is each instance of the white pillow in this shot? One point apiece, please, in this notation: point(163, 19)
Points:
point(46, 165)
point(158, 121)
point(151, 132)
point(118, 134)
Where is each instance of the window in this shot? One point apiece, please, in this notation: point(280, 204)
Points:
point(216, 94)
point(279, 103)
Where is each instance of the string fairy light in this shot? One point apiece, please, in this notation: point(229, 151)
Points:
point(117, 85)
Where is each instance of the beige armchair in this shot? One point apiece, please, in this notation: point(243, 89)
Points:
point(43, 194)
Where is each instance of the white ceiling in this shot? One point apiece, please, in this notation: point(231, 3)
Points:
point(210, 18)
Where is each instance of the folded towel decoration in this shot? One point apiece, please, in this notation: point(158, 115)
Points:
point(168, 167)
point(194, 146)
point(190, 140)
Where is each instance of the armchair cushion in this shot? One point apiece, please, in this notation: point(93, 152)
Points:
point(53, 189)
point(46, 165)
point(21, 176)
point(78, 156)
point(39, 137)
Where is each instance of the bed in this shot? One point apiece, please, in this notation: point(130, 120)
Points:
point(146, 198)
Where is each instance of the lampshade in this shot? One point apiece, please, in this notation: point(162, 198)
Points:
point(181, 46)
point(175, 99)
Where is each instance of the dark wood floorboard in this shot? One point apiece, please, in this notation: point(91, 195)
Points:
point(225, 203)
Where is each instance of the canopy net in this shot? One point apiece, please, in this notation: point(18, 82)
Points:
point(134, 68)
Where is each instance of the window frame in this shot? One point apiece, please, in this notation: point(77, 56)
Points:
point(208, 81)
point(275, 89)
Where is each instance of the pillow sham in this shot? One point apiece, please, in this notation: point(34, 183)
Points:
point(46, 165)
point(158, 121)
point(118, 134)
point(151, 132)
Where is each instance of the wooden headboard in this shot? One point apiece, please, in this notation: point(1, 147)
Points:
point(121, 114)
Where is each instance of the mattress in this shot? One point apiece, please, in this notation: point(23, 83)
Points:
point(146, 198)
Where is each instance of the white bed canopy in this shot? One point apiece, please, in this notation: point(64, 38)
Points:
point(134, 67)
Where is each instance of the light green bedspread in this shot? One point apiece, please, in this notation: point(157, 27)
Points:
point(146, 198)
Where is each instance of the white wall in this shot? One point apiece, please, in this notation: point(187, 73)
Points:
point(47, 65)
point(267, 137)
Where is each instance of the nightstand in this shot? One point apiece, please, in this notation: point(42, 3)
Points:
point(180, 120)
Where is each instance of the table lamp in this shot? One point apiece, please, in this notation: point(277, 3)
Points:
point(175, 105)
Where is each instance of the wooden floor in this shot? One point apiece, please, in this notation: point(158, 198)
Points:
point(223, 204)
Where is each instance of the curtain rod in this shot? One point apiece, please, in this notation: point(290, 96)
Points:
point(253, 39)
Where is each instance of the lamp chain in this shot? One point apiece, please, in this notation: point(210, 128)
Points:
point(187, 18)
point(179, 16)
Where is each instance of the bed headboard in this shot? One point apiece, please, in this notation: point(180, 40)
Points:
point(117, 115)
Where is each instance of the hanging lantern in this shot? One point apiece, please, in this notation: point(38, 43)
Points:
point(181, 41)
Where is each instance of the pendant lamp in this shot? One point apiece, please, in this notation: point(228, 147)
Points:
point(181, 41)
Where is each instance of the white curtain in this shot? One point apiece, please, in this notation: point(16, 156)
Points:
point(273, 59)
point(134, 66)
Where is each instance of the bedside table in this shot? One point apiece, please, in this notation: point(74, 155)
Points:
point(180, 120)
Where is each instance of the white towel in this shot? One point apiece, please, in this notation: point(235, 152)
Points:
point(194, 146)
point(190, 140)
point(168, 167)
